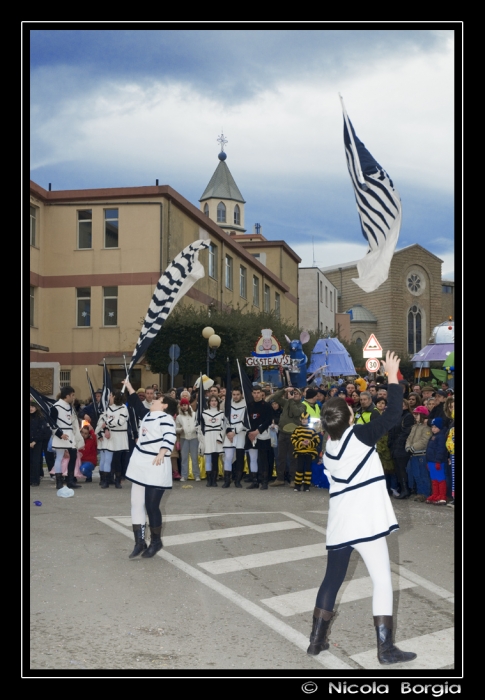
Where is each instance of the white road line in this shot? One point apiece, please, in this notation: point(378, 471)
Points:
point(307, 523)
point(252, 561)
point(326, 659)
point(206, 535)
point(304, 601)
point(420, 581)
point(434, 650)
point(126, 519)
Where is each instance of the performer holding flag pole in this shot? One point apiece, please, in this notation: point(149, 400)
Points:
point(360, 515)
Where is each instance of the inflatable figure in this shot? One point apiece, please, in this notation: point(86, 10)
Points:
point(298, 360)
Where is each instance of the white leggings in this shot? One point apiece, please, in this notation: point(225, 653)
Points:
point(105, 459)
point(229, 455)
point(253, 460)
point(376, 558)
point(138, 513)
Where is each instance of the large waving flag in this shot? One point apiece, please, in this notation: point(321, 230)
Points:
point(379, 208)
point(182, 273)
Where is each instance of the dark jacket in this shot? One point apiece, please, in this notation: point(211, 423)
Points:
point(436, 450)
point(39, 429)
point(399, 434)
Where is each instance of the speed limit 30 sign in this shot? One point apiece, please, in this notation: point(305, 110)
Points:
point(372, 364)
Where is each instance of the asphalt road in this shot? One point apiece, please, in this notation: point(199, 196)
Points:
point(231, 592)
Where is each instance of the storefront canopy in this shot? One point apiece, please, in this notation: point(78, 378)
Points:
point(331, 352)
point(435, 352)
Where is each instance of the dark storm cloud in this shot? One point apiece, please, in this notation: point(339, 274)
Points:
point(230, 65)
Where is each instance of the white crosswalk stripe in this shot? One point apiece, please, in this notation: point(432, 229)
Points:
point(206, 535)
point(435, 650)
point(304, 601)
point(428, 647)
point(252, 561)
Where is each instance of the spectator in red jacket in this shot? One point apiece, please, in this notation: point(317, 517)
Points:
point(89, 451)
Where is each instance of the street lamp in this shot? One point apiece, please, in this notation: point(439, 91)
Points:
point(213, 342)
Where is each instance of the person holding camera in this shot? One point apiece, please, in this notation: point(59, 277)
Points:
point(289, 400)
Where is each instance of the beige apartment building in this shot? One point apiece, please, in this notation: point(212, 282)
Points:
point(96, 257)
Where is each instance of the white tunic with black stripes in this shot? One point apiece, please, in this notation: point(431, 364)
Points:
point(68, 423)
point(360, 509)
point(157, 430)
point(212, 428)
point(238, 411)
point(116, 419)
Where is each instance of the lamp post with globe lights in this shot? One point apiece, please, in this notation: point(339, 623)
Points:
point(213, 342)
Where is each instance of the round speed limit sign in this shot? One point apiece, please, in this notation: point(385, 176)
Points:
point(372, 365)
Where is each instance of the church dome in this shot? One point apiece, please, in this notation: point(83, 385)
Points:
point(359, 314)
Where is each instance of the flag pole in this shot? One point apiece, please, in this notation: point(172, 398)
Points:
point(360, 174)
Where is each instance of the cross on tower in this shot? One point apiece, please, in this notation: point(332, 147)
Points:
point(222, 140)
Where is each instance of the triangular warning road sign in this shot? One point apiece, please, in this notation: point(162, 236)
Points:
point(372, 344)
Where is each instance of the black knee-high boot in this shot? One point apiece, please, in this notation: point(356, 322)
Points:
point(227, 480)
point(387, 653)
point(320, 629)
point(155, 542)
point(140, 544)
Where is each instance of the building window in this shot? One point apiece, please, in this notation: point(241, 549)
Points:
point(85, 228)
point(277, 304)
point(110, 306)
point(221, 213)
point(243, 282)
point(111, 228)
point(65, 377)
point(229, 268)
point(326, 295)
point(331, 301)
point(359, 342)
point(414, 283)
point(237, 215)
point(266, 300)
point(33, 222)
point(321, 290)
point(213, 261)
point(32, 299)
point(83, 298)
point(206, 209)
point(255, 290)
point(414, 330)
point(446, 289)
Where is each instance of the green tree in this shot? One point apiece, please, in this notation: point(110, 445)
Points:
point(238, 331)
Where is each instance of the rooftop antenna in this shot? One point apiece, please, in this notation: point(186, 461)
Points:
point(313, 245)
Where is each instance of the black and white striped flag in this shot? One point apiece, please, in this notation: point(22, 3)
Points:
point(107, 388)
point(379, 207)
point(93, 397)
point(182, 273)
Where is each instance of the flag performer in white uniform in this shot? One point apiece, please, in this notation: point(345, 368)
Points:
point(360, 515)
point(150, 468)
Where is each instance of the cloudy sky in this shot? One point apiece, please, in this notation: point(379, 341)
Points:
point(124, 107)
